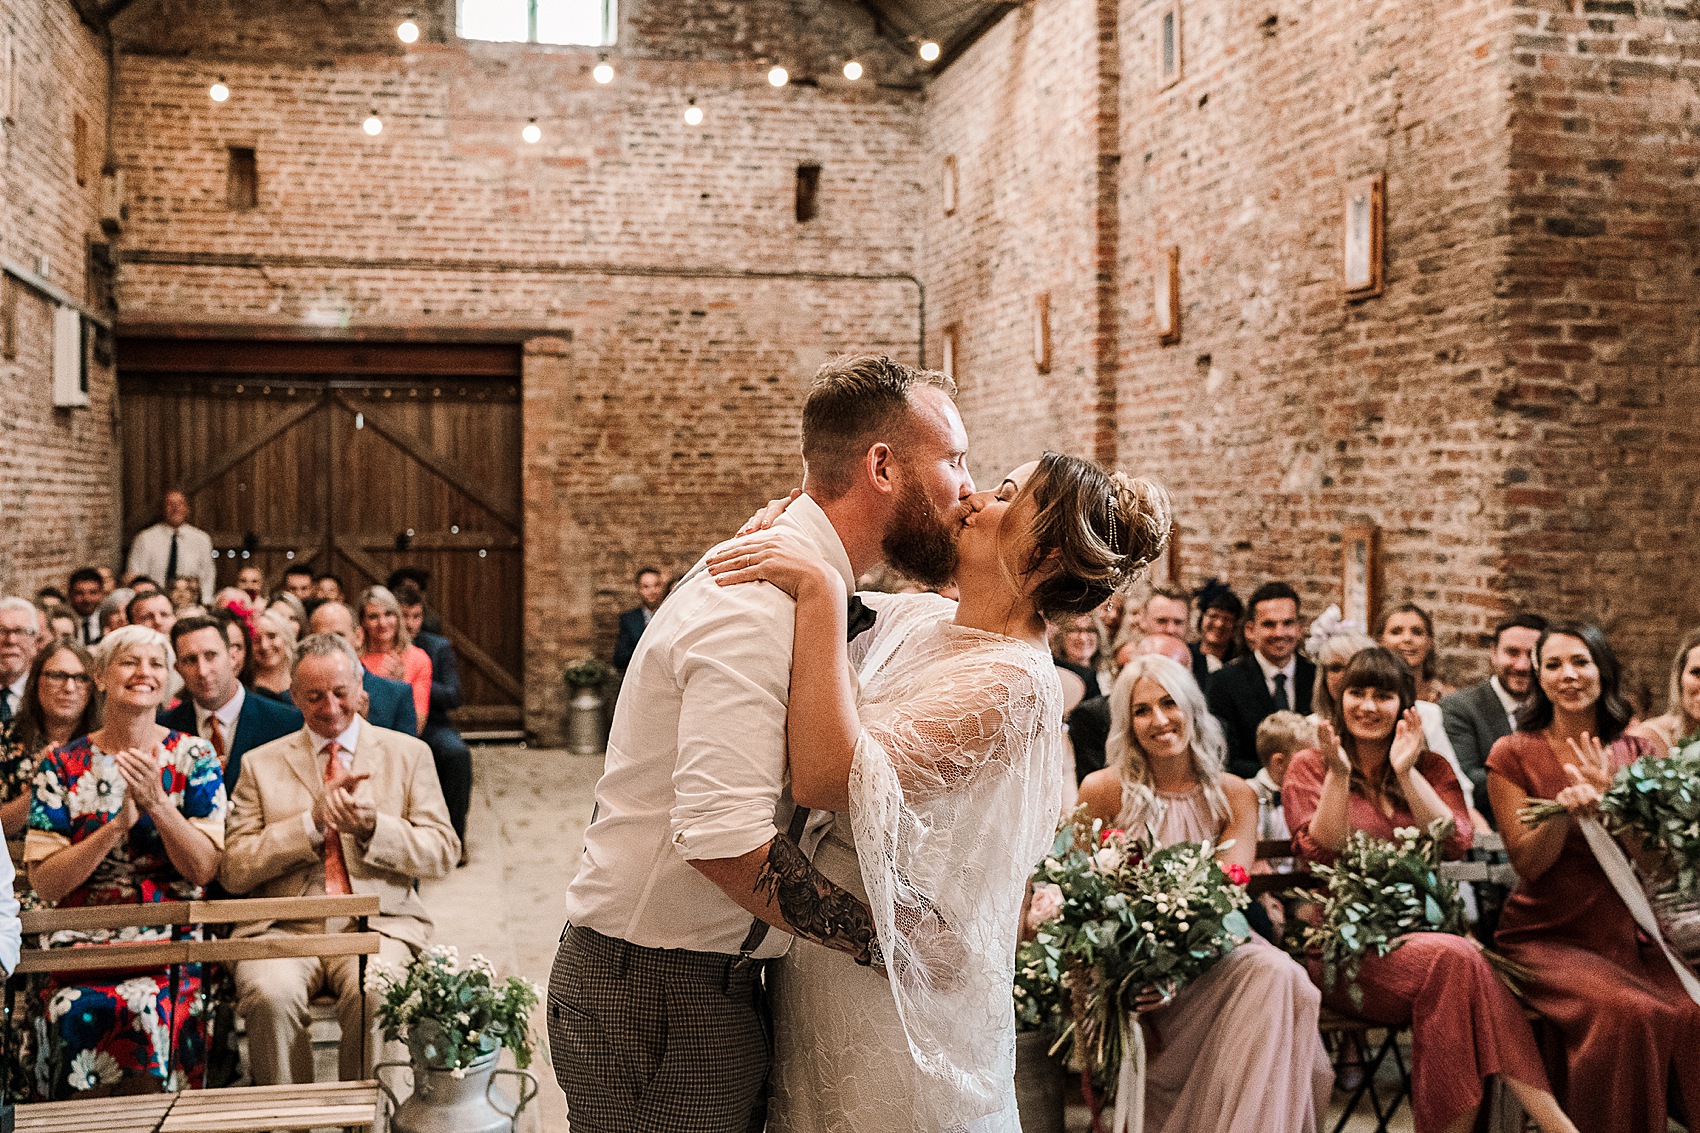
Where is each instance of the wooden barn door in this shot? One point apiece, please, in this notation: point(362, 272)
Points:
point(351, 459)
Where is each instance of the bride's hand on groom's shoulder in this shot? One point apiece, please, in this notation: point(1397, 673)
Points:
point(765, 518)
point(775, 558)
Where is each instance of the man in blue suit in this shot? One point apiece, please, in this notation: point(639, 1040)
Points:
point(452, 756)
point(215, 706)
point(389, 704)
point(651, 588)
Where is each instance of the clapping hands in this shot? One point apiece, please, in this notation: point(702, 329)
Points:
point(346, 807)
point(143, 791)
point(1334, 757)
point(1408, 742)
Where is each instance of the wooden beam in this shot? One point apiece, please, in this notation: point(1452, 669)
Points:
point(164, 953)
point(279, 426)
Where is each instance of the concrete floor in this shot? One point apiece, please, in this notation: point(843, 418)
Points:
point(525, 832)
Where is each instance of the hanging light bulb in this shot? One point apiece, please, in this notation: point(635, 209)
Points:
point(532, 133)
point(693, 114)
point(407, 31)
point(218, 92)
point(852, 70)
point(929, 50)
point(778, 77)
point(604, 72)
point(373, 124)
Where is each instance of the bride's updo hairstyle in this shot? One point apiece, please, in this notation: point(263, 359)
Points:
point(1093, 531)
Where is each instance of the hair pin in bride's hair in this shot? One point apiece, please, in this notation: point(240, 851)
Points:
point(1110, 505)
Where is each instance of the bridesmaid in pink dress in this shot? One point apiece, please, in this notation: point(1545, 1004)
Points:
point(1373, 774)
point(1630, 1030)
point(1237, 1050)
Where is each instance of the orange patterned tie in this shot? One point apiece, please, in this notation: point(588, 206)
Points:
point(218, 740)
point(336, 871)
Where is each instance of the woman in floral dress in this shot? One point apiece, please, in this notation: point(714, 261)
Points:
point(129, 814)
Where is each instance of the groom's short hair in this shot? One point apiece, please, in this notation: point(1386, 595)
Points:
point(856, 401)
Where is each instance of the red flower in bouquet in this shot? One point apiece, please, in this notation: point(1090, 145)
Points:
point(1111, 832)
point(1237, 874)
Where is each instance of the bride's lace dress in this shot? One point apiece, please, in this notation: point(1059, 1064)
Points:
point(955, 792)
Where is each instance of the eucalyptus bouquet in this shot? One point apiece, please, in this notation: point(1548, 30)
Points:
point(1038, 987)
point(1114, 920)
point(1377, 892)
point(451, 1016)
point(587, 672)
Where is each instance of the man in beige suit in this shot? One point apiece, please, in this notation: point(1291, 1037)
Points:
point(340, 806)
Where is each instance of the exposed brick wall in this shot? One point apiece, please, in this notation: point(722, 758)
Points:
point(57, 507)
point(679, 308)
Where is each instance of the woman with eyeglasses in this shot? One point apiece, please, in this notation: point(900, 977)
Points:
point(58, 706)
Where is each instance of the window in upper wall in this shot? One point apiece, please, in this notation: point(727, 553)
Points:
point(588, 23)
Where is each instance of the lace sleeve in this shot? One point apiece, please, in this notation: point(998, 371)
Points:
point(954, 792)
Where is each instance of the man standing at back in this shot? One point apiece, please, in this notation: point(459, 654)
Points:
point(656, 1007)
point(173, 549)
point(1271, 678)
point(651, 588)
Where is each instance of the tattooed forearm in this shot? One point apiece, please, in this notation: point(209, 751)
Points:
point(813, 907)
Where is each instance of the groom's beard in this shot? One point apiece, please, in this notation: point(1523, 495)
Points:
point(918, 541)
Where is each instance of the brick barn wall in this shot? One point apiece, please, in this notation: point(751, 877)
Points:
point(57, 507)
point(1603, 333)
point(679, 308)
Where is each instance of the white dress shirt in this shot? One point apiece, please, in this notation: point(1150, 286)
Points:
point(151, 552)
point(226, 717)
point(1271, 819)
point(1510, 703)
point(696, 759)
point(346, 742)
point(1269, 670)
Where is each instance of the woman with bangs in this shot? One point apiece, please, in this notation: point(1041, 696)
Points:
point(1253, 1008)
point(1371, 772)
point(1630, 1030)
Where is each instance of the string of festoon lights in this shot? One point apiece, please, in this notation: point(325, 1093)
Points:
point(603, 73)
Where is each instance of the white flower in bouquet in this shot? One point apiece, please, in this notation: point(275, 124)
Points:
point(1046, 906)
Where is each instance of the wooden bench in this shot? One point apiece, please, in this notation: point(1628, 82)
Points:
point(234, 1110)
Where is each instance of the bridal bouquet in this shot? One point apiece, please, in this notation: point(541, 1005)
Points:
point(1115, 919)
point(1377, 892)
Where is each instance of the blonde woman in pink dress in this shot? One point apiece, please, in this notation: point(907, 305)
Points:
point(1237, 1050)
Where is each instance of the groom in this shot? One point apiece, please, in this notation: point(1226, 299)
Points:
point(657, 1016)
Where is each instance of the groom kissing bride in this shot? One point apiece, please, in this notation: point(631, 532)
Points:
point(875, 779)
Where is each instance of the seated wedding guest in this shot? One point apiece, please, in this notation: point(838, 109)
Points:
point(420, 579)
point(1279, 738)
point(185, 593)
point(20, 640)
point(1370, 772)
point(1164, 645)
point(153, 610)
point(651, 588)
point(389, 704)
point(173, 548)
point(1409, 631)
point(1681, 720)
point(1480, 716)
point(111, 613)
point(288, 606)
point(274, 648)
point(131, 813)
point(49, 596)
point(61, 622)
point(1255, 1009)
point(230, 598)
point(1166, 610)
point(388, 650)
point(1077, 646)
point(1631, 1034)
point(87, 591)
point(1219, 614)
point(142, 584)
point(57, 706)
point(252, 582)
point(453, 757)
point(298, 581)
point(1332, 644)
point(341, 806)
point(239, 637)
point(328, 588)
point(217, 708)
point(1269, 678)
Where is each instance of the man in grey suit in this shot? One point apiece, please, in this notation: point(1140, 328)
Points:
point(1479, 716)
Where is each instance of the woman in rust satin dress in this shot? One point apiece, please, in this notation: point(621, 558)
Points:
point(1373, 774)
point(1631, 1033)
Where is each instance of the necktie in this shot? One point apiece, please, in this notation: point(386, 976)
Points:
point(171, 561)
point(861, 619)
point(217, 738)
point(1282, 704)
point(5, 706)
point(336, 870)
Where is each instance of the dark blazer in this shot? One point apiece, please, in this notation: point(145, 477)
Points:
point(445, 676)
point(1239, 698)
point(631, 628)
point(1200, 667)
point(1475, 720)
point(391, 703)
point(262, 720)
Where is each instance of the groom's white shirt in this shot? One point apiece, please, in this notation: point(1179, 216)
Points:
point(696, 760)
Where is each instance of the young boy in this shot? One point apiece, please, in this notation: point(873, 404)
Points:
point(1279, 738)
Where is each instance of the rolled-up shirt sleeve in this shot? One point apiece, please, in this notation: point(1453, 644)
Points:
point(734, 672)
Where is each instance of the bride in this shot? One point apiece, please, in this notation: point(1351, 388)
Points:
point(946, 772)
